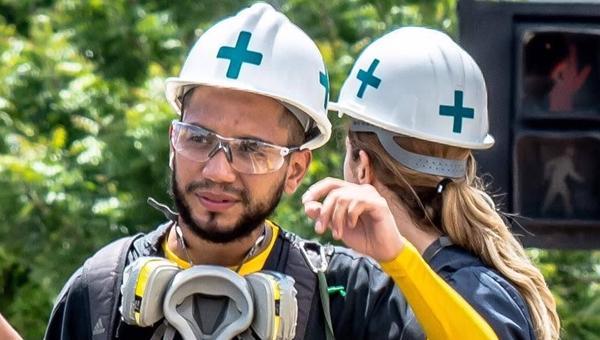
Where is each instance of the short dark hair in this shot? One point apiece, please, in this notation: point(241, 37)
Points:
point(185, 100)
point(296, 134)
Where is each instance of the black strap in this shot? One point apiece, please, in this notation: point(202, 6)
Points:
point(435, 247)
point(306, 286)
point(317, 259)
point(307, 263)
point(160, 331)
point(102, 275)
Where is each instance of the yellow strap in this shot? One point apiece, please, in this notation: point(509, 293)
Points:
point(253, 265)
point(170, 255)
point(440, 310)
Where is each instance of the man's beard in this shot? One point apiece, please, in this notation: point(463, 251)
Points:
point(252, 217)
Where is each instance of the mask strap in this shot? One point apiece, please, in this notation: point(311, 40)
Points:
point(427, 164)
point(173, 217)
point(163, 208)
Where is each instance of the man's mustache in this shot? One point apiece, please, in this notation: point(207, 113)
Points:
point(207, 185)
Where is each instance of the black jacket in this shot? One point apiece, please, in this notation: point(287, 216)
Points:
point(373, 308)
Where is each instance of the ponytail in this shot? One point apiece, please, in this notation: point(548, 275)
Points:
point(473, 223)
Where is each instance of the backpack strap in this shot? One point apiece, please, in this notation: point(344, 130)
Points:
point(324, 295)
point(102, 275)
point(306, 263)
point(315, 255)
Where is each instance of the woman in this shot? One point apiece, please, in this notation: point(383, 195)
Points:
point(418, 105)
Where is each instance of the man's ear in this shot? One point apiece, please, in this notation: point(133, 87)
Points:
point(296, 169)
point(364, 172)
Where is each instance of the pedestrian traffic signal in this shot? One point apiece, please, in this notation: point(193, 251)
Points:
point(555, 175)
point(541, 62)
point(557, 71)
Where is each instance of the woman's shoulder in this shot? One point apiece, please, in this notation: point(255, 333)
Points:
point(467, 272)
point(490, 293)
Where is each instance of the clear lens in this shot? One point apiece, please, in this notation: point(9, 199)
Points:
point(255, 157)
point(195, 144)
point(246, 155)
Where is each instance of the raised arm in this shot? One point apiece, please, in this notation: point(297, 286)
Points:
point(361, 218)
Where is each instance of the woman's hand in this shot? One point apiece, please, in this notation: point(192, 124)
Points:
point(356, 214)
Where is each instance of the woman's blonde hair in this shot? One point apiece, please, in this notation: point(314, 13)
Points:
point(467, 214)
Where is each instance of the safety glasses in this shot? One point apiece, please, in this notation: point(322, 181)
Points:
point(247, 156)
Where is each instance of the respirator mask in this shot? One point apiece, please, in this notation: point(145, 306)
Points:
point(208, 302)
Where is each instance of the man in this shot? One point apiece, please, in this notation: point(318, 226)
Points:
point(252, 97)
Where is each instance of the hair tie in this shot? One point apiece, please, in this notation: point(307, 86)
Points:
point(439, 188)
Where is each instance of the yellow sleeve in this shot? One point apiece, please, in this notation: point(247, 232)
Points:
point(440, 310)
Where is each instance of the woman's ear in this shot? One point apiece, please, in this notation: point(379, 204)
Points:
point(364, 170)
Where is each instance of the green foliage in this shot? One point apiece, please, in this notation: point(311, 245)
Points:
point(83, 132)
point(574, 278)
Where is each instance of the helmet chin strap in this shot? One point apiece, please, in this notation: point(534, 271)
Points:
point(427, 164)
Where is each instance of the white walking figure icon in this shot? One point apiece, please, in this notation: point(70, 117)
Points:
point(557, 171)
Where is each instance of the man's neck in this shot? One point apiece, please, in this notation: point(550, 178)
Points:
point(201, 251)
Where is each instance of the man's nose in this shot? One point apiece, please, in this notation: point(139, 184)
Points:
point(218, 169)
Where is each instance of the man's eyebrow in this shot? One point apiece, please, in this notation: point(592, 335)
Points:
point(250, 138)
point(253, 138)
point(200, 126)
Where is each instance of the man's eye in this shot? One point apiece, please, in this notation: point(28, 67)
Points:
point(199, 138)
point(249, 146)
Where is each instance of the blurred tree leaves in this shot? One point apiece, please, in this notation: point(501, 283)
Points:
point(574, 278)
point(84, 123)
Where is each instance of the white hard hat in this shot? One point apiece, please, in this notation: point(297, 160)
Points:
point(260, 51)
point(417, 82)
